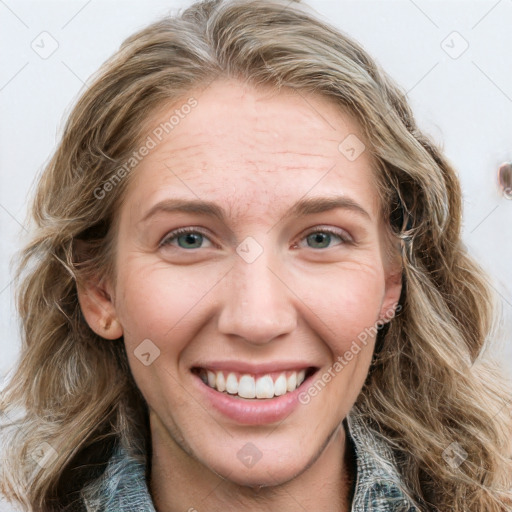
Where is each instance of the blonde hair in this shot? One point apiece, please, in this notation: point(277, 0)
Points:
point(428, 386)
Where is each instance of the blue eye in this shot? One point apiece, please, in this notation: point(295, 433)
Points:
point(321, 239)
point(190, 238)
point(186, 238)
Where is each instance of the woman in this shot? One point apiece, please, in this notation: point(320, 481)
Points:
point(247, 289)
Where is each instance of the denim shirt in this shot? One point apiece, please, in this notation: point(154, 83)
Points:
point(377, 488)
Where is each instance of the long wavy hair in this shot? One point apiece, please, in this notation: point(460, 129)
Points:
point(429, 391)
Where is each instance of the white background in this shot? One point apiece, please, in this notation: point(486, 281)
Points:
point(464, 103)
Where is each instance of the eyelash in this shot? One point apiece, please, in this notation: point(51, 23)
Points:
point(173, 235)
point(344, 237)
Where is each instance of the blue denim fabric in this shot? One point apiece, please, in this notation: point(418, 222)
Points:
point(378, 486)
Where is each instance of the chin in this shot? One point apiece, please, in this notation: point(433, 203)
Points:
point(266, 466)
point(270, 474)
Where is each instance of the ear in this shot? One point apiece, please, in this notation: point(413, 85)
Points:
point(99, 310)
point(392, 293)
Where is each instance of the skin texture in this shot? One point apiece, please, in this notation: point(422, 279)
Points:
point(255, 153)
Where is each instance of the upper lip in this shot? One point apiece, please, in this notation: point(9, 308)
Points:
point(254, 368)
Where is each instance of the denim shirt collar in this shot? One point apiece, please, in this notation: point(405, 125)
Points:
point(378, 486)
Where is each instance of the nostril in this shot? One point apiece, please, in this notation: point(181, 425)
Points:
point(505, 179)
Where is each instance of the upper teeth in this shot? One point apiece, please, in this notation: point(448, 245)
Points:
point(248, 386)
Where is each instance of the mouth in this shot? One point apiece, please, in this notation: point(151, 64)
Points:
point(254, 386)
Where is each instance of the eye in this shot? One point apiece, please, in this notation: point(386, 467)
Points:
point(186, 238)
point(325, 238)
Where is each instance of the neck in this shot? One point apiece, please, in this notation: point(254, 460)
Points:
point(179, 482)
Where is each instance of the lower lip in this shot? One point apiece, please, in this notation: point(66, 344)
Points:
point(252, 411)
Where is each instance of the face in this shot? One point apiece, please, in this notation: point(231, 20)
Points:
point(250, 259)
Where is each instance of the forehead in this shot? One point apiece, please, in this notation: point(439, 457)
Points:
point(245, 146)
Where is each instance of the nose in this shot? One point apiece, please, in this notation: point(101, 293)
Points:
point(257, 305)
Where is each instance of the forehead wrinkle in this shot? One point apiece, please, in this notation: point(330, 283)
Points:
point(250, 136)
point(184, 162)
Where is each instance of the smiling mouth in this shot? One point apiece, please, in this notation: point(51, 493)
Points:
point(246, 385)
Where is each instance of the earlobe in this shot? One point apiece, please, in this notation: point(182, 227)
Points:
point(99, 311)
point(392, 295)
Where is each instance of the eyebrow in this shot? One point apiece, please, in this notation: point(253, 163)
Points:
point(303, 207)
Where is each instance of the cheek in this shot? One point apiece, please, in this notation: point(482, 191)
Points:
point(165, 304)
point(342, 304)
point(159, 308)
point(159, 303)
